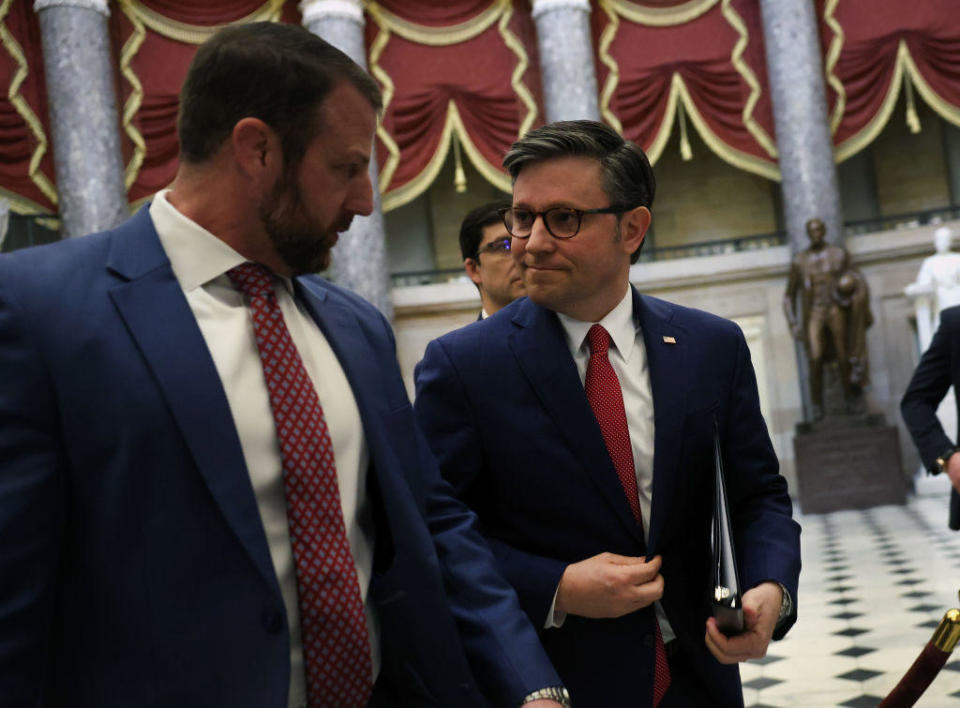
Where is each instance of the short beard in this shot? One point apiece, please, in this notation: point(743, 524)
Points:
point(285, 219)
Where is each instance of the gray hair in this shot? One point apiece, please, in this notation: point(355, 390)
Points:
point(627, 176)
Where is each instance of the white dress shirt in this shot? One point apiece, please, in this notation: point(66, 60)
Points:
point(200, 261)
point(628, 356)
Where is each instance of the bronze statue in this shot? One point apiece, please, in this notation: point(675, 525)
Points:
point(835, 305)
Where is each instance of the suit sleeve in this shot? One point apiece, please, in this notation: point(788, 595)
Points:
point(928, 386)
point(449, 422)
point(31, 512)
point(504, 651)
point(767, 537)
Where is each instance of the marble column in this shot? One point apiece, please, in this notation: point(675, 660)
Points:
point(360, 256)
point(795, 68)
point(83, 114)
point(566, 59)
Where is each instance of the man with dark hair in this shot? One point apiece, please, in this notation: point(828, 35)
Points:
point(212, 488)
point(579, 424)
point(485, 247)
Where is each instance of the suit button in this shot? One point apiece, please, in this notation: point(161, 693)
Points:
point(648, 641)
point(272, 620)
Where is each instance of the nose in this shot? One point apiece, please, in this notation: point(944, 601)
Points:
point(540, 240)
point(361, 196)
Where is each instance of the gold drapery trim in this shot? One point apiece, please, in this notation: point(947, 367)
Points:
point(947, 110)
point(736, 58)
point(23, 109)
point(666, 125)
point(438, 36)
point(833, 55)
point(516, 78)
point(135, 100)
point(22, 205)
point(913, 120)
point(737, 158)
point(197, 34)
point(686, 152)
point(868, 133)
point(502, 10)
point(376, 50)
point(662, 16)
point(613, 75)
point(452, 126)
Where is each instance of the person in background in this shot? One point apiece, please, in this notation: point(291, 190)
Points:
point(485, 247)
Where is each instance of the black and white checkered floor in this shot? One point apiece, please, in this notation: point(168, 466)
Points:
point(874, 585)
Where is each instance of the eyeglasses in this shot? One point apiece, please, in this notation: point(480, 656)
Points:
point(501, 245)
point(561, 222)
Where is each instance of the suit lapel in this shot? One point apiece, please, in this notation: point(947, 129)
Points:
point(666, 360)
point(354, 351)
point(342, 330)
point(160, 321)
point(540, 346)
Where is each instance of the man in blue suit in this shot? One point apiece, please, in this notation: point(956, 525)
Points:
point(579, 424)
point(212, 488)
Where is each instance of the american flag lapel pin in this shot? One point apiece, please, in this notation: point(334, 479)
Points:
point(669, 340)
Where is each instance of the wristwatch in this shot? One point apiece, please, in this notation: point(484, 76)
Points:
point(550, 693)
point(940, 464)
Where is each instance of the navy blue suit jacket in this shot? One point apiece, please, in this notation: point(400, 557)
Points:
point(502, 405)
point(939, 368)
point(134, 568)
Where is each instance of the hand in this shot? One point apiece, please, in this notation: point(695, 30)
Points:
point(953, 470)
point(761, 608)
point(543, 703)
point(608, 585)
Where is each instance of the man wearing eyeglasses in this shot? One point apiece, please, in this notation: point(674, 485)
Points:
point(579, 425)
point(485, 246)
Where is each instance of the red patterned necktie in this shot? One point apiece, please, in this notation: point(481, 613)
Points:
point(606, 399)
point(333, 625)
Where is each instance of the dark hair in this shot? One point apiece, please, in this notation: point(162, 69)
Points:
point(279, 73)
point(471, 230)
point(627, 176)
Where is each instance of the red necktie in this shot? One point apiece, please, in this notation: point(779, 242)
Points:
point(333, 626)
point(606, 399)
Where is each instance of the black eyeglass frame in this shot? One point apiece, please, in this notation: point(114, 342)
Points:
point(500, 244)
point(546, 222)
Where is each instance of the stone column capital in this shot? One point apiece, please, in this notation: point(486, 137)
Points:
point(314, 10)
point(97, 5)
point(541, 7)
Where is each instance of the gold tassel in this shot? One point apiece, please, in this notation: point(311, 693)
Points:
point(913, 120)
point(685, 151)
point(459, 176)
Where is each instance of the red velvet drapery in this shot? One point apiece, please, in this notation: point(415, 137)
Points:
point(872, 50)
point(26, 151)
point(463, 68)
point(704, 60)
point(469, 68)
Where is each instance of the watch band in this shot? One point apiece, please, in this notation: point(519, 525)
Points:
point(550, 693)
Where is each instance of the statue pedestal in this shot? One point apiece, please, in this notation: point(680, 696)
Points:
point(848, 462)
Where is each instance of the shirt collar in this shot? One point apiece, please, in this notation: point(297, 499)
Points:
point(619, 323)
point(196, 255)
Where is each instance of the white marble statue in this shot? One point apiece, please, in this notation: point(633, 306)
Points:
point(937, 286)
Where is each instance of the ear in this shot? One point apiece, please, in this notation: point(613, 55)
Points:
point(473, 270)
point(633, 228)
point(256, 149)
